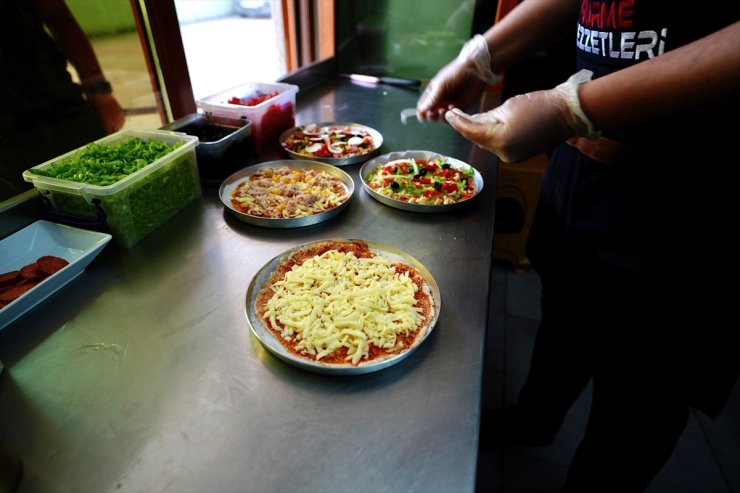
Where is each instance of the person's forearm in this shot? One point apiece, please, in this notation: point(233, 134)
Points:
point(71, 40)
point(699, 74)
point(531, 26)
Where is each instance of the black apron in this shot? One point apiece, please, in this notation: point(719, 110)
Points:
point(657, 222)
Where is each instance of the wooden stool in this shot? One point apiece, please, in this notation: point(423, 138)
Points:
point(520, 183)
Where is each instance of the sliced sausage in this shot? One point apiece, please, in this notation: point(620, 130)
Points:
point(30, 272)
point(16, 291)
point(10, 278)
point(49, 264)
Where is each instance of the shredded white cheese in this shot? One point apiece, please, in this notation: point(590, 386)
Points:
point(338, 300)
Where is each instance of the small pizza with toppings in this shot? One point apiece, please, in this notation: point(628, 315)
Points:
point(342, 304)
point(330, 141)
point(423, 181)
point(285, 193)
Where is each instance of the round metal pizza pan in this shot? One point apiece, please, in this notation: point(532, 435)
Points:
point(273, 345)
point(425, 155)
point(230, 184)
point(345, 161)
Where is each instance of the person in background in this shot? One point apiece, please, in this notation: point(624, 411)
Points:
point(632, 235)
point(43, 112)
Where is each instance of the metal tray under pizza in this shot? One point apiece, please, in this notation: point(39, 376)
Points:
point(346, 161)
point(228, 186)
point(425, 155)
point(271, 343)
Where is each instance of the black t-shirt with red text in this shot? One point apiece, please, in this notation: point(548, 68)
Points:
point(628, 215)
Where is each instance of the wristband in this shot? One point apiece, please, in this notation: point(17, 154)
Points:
point(100, 87)
point(569, 90)
point(475, 51)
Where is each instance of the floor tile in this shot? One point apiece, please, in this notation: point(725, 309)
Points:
point(523, 295)
point(488, 478)
point(525, 474)
point(723, 436)
point(566, 441)
point(520, 334)
point(706, 457)
point(496, 335)
point(692, 467)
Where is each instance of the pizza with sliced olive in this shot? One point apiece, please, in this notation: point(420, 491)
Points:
point(342, 304)
point(330, 141)
point(423, 181)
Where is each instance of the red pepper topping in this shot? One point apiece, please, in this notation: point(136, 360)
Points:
point(254, 101)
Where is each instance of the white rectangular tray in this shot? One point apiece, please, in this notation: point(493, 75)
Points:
point(78, 246)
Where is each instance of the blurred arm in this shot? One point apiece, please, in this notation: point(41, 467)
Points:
point(73, 42)
point(531, 26)
point(703, 73)
point(70, 38)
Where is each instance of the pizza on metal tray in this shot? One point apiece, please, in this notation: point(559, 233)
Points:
point(341, 304)
point(285, 193)
point(423, 181)
point(330, 141)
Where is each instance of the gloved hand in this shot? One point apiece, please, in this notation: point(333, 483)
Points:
point(528, 124)
point(459, 83)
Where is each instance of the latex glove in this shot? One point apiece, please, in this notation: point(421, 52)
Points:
point(528, 124)
point(109, 111)
point(459, 83)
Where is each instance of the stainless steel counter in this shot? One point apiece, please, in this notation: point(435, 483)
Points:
point(142, 374)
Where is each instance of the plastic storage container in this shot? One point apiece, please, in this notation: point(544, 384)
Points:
point(224, 144)
point(269, 118)
point(134, 206)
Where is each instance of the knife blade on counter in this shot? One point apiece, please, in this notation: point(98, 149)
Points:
point(393, 81)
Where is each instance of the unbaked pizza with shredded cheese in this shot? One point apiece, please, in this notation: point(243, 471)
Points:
point(286, 193)
point(341, 303)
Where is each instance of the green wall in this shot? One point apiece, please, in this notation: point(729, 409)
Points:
point(405, 38)
point(103, 17)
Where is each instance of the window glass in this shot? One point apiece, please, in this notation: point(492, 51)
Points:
point(228, 43)
point(43, 111)
point(401, 38)
point(51, 103)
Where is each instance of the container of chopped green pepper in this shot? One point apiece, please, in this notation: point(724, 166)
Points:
point(132, 181)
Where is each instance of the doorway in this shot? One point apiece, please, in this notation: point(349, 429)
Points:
point(229, 43)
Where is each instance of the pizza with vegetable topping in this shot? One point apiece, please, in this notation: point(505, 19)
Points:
point(423, 181)
point(330, 141)
point(339, 303)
